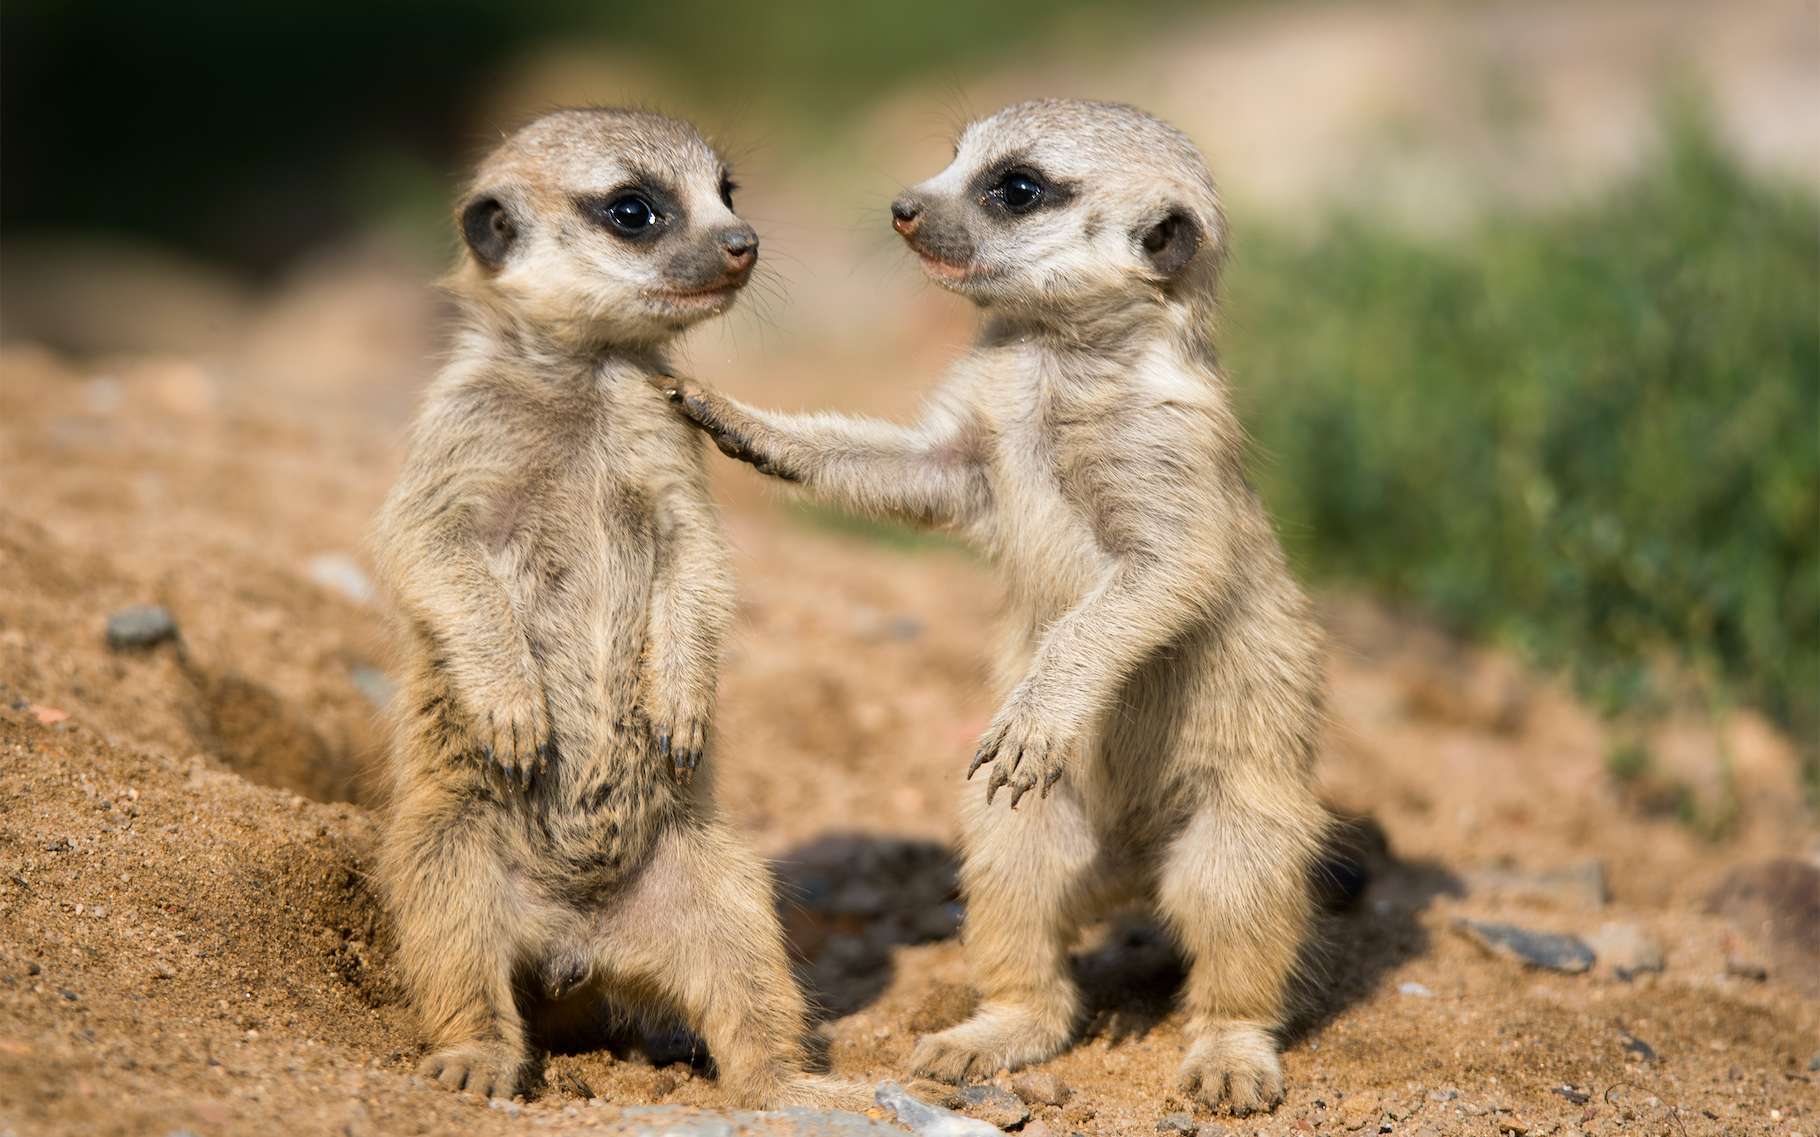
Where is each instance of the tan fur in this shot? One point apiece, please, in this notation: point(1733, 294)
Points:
point(562, 581)
point(1160, 668)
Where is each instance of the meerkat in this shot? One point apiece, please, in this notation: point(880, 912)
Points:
point(553, 852)
point(1160, 668)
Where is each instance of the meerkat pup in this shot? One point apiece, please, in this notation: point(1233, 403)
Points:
point(551, 854)
point(1160, 670)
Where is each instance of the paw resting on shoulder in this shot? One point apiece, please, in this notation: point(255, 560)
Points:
point(733, 430)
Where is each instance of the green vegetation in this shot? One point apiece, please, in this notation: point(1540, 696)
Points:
point(1593, 435)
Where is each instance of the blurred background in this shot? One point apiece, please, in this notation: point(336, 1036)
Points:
point(1523, 312)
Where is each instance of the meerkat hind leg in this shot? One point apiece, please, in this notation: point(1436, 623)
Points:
point(456, 955)
point(699, 930)
point(1233, 890)
point(1029, 878)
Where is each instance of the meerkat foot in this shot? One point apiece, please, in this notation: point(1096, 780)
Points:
point(1236, 1068)
point(491, 1070)
point(1007, 1037)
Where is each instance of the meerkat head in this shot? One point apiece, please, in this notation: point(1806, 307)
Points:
point(1055, 206)
point(608, 225)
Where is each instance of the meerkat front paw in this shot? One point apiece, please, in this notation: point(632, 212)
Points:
point(998, 1037)
point(732, 431)
point(491, 1070)
point(1024, 754)
point(681, 738)
point(1235, 1068)
point(512, 730)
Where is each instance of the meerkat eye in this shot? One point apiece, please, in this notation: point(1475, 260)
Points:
point(1019, 191)
point(727, 186)
point(631, 213)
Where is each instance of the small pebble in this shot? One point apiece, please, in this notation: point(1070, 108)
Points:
point(1746, 969)
point(140, 626)
point(1537, 949)
point(1176, 1123)
point(1039, 1087)
point(1416, 990)
point(1626, 950)
point(989, 1103)
point(1637, 1048)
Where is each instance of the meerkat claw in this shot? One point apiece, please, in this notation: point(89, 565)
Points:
point(999, 778)
point(1049, 781)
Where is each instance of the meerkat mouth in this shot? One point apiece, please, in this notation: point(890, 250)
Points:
point(722, 291)
point(946, 270)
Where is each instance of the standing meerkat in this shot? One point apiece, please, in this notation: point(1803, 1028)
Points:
point(1160, 669)
point(563, 586)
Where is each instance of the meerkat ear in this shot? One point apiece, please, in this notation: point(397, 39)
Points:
point(488, 228)
point(1170, 244)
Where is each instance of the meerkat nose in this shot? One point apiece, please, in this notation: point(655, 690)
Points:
point(741, 247)
point(905, 214)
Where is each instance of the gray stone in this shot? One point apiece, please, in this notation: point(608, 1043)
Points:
point(1777, 905)
point(375, 684)
point(989, 1103)
point(1415, 991)
point(927, 1120)
point(139, 627)
point(685, 1121)
point(1176, 1123)
point(1537, 949)
point(1626, 950)
point(341, 573)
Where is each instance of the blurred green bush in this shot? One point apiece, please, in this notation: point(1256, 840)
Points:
point(1594, 435)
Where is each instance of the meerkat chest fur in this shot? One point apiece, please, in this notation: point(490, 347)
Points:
point(1059, 423)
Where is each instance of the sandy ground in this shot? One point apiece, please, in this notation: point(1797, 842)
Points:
point(188, 939)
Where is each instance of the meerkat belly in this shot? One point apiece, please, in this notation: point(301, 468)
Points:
point(601, 803)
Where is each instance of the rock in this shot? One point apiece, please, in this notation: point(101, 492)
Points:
point(1574, 886)
point(1176, 1123)
point(1578, 1097)
point(1813, 1064)
point(1039, 1087)
point(1626, 950)
point(140, 627)
point(48, 716)
point(927, 1120)
point(1415, 990)
point(989, 1103)
point(1777, 903)
point(1635, 1047)
point(1746, 969)
point(342, 574)
point(1537, 949)
point(684, 1121)
point(375, 684)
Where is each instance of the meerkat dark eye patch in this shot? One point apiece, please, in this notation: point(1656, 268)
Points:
point(489, 230)
point(1015, 187)
point(635, 213)
point(727, 188)
point(1170, 244)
